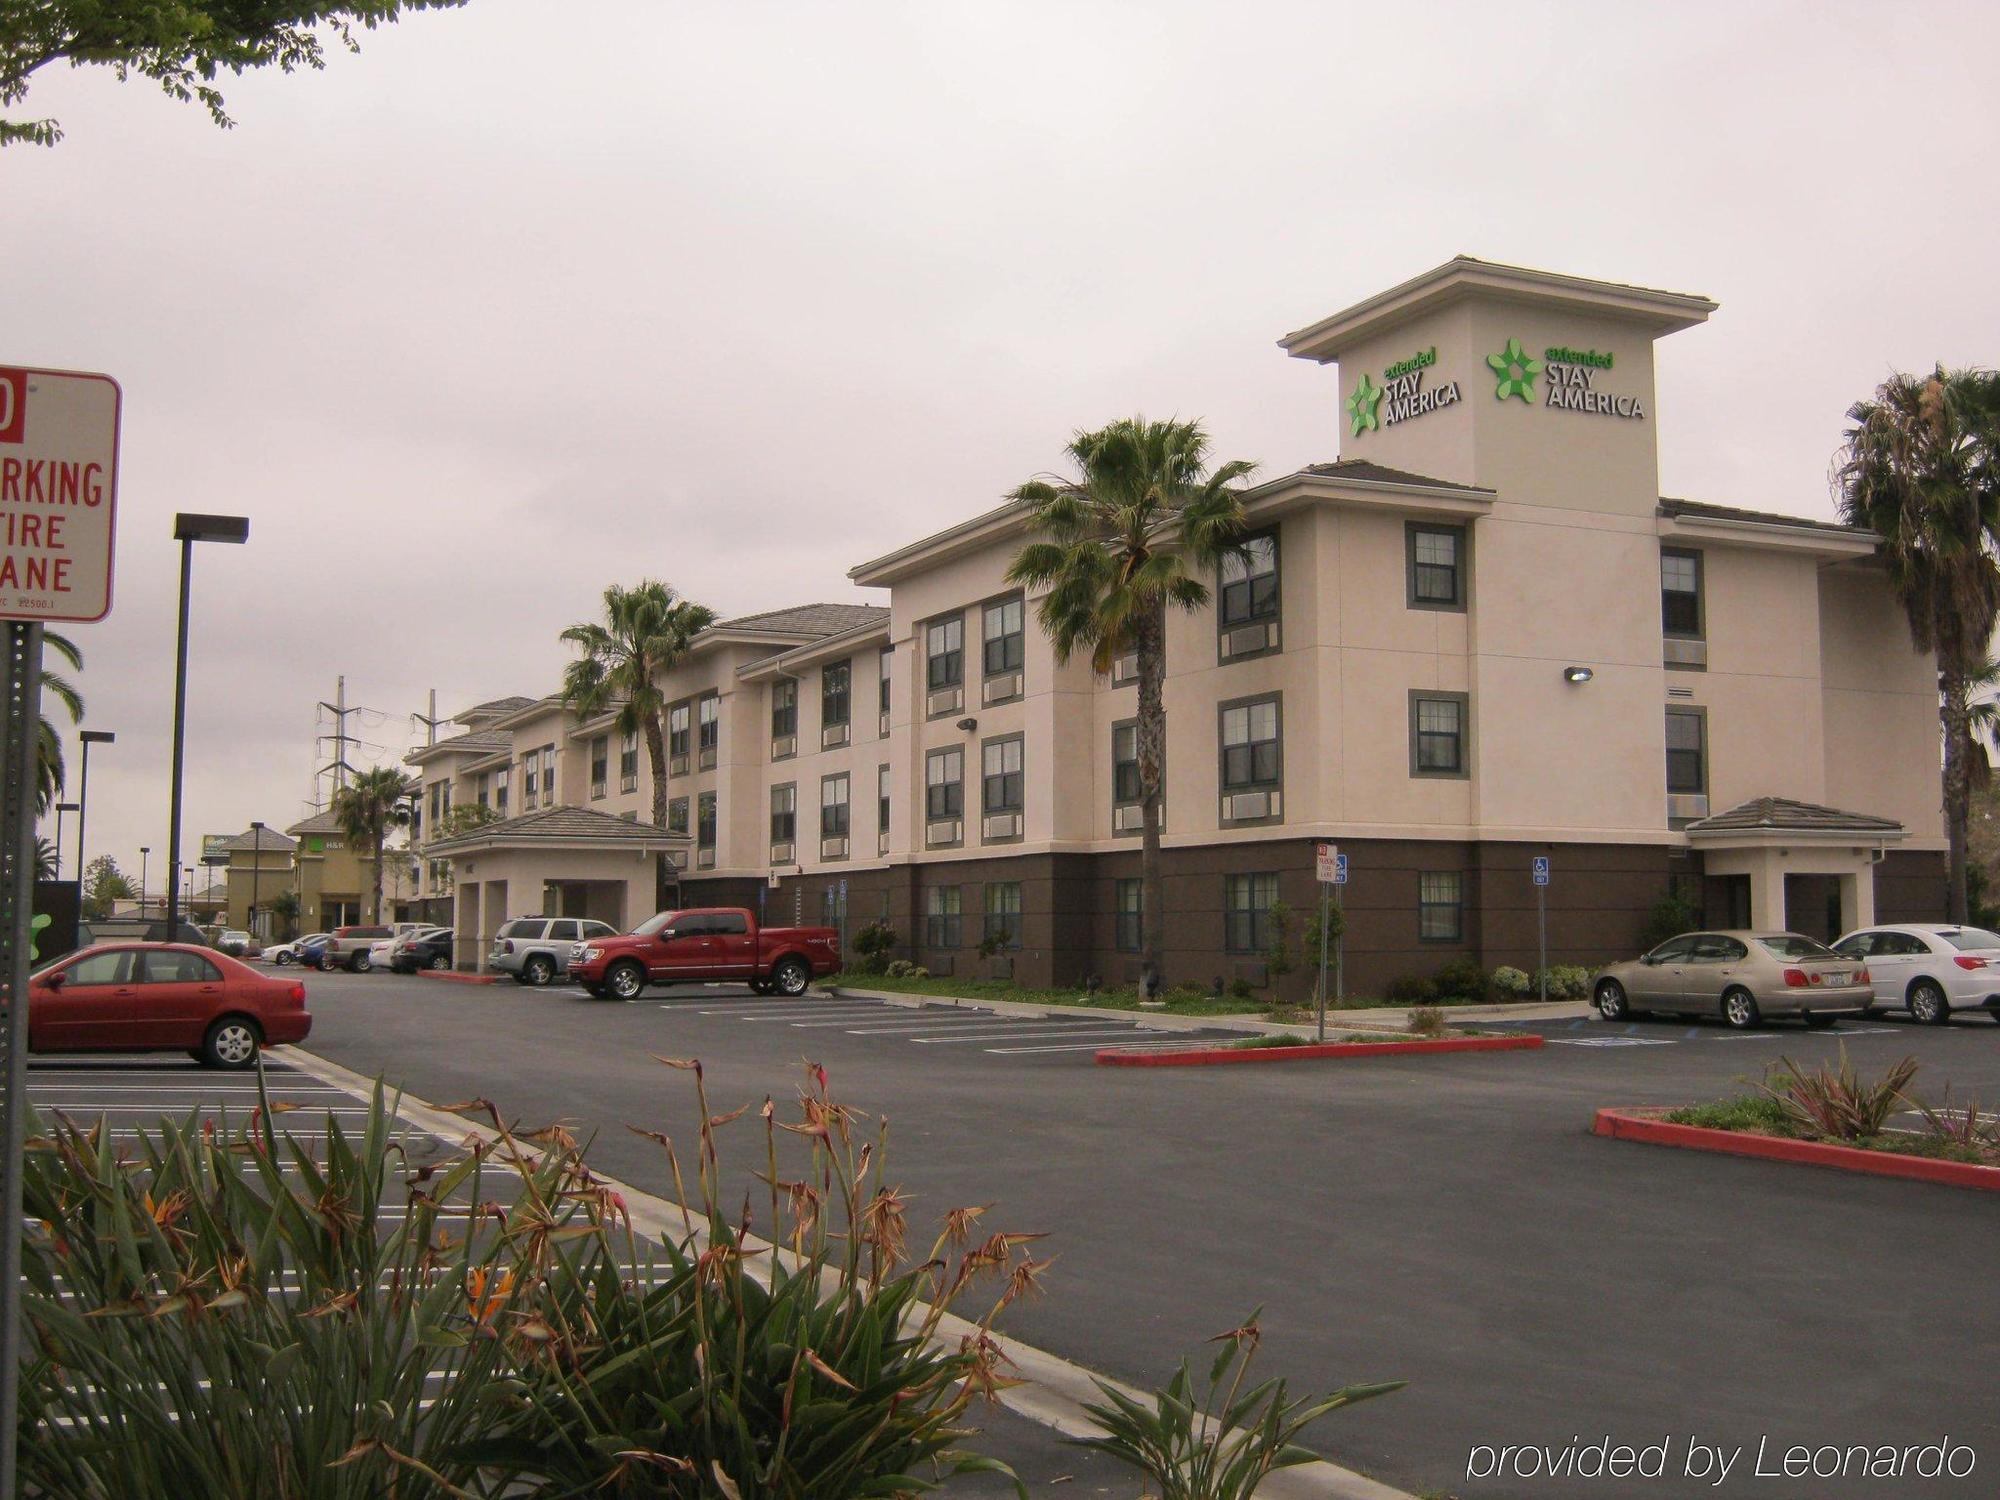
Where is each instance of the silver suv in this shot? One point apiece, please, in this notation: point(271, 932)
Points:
point(535, 950)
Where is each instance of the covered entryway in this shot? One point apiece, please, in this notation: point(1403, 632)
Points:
point(1792, 866)
point(559, 862)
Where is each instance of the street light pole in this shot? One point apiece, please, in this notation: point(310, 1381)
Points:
point(188, 529)
point(89, 737)
point(61, 808)
point(256, 869)
point(145, 851)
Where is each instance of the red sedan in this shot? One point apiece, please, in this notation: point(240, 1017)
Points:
point(159, 997)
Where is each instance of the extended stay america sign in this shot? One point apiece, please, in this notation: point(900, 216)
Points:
point(58, 493)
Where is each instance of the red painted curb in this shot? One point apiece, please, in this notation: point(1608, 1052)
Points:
point(1630, 1125)
point(1111, 1057)
point(452, 976)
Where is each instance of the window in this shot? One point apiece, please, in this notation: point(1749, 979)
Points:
point(1250, 760)
point(882, 690)
point(103, 968)
point(1002, 922)
point(483, 790)
point(833, 806)
point(834, 698)
point(1440, 906)
point(1003, 637)
point(563, 931)
point(784, 813)
point(944, 653)
point(677, 815)
point(1680, 592)
point(437, 792)
point(1437, 734)
point(1000, 783)
point(728, 924)
point(628, 762)
point(942, 913)
point(179, 968)
point(1130, 906)
point(677, 733)
point(531, 780)
point(704, 825)
point(785, 710)
point(500, 779)
point(1436, 566)
point(882, 784)
point(548, 778)
point(1687, 752)
point(709, 715)
point(1250, 582)
point(944, 784)
point(1125, 784)
point(600, 765)
point(1246, 912)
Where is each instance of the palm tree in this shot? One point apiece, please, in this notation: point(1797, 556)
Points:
point(366, 809)
point(45, 860)
point(1138, 529)
point(646, 630)
point(49, 767)
point(1920, 466)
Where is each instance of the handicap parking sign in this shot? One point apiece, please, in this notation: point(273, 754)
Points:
point(1541, 869)
point(1340, 869)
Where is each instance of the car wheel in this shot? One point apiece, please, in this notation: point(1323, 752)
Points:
point(439, 961)
point(791, 977)
point(1928, 1004)
point(1739, 1009)
point(359, 964)
point(282, 959)
point(761, 987)
point(625, 981)
point(1611, 1001)
point(231, 1043)
point(539, 970)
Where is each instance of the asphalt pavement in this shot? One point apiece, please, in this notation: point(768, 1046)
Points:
point(1448, 1220)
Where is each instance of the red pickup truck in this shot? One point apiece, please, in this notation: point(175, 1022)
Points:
point(701, 944)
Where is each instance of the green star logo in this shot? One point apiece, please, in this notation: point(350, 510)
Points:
point(35, 935)
point(1517, 372)
point(1361, 405)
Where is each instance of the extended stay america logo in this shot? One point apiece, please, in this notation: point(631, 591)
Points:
point(58, 493)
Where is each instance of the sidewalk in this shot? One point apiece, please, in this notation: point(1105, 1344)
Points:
point(1382, 1018)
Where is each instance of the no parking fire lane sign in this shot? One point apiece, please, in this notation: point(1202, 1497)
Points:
point(58, 493)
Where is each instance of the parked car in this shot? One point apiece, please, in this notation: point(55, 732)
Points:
point(348, 947)
point(312, 950)
point(1741, 976)
point(425, 950)
point(134, 930)
point(705, 943)
point(235, 943)
point(163, 997)
point(536, 949)
point(1930, 969)
point(288, 953)
point(380, 951)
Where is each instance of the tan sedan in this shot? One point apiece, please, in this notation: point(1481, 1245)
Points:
point(1741, 976)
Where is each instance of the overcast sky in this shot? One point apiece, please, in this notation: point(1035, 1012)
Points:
point(528, 298)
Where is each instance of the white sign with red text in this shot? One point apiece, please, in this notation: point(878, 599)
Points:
point(58, 493)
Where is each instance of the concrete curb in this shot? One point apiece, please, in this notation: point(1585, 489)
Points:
point(1054, 1390)
point(452, 976)
point(1639, 1125)
point(1112, 1057)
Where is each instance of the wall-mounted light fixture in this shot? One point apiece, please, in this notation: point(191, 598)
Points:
point(968, 725)
point(1577, 674)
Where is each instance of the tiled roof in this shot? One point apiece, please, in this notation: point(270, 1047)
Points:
point(320, 822)
point(809, 619)
point(477, 742)
point(269, 840)
point(560, 825)
point(1698, 510)
point(1374, 473)
point(506, 705)
point(1781, 814)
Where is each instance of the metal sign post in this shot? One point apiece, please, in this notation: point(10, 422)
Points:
point(1326, 859)
point(1541, 873)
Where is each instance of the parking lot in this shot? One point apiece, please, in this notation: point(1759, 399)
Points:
point(1448, 1220)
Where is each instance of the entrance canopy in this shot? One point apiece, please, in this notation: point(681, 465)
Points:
point(1827, 857)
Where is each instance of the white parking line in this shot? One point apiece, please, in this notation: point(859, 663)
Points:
point(1099, 1046)
point(926, 1023)
point(1025, 1036)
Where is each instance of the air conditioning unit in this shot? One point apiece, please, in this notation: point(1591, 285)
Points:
point(678, 766)
point(1130, 817)
point(1001, 826)
point(784, 746)
point(832, 735)
point(998, 689)
point(882, 842)
point(833, 848)
point(704, 859)
point(946, 831)
point(1677, 651)
point(782, 854)
point(1241, 806)
point(945, 701)
point(1685, 807)
point(1247, 640)
point(882, 727)
point(708, 760)
point(678, 858)
point(1125, 669)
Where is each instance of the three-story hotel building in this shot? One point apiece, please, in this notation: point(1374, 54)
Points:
point(1478, 637)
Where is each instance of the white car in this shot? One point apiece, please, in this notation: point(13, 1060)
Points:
point(1929, 969)
point(381, 951)
point(288, 953)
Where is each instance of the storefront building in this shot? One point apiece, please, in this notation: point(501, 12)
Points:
point(1479, 637)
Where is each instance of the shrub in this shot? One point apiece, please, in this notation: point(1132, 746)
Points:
point(1426, 1020)
point(1271, 1039)
point(1279, 958)
point(1239, 989)
point(1411, 990)
point(1669, 918)
point(1461, 979)
point(1566, 982)
point(995, 942)
point(899, 968)
point(874, 943)
point(1223, 1448)
point(1837, 1102)
point(1511, 982)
